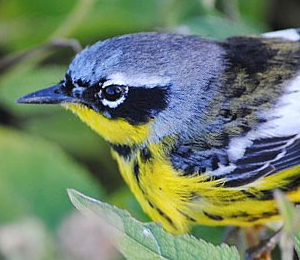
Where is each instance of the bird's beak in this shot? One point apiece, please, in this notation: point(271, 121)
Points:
point(51, 95)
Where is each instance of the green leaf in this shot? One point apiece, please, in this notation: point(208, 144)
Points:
point(27, 23)
point(297, 244)
point(254, 10)
point(218, 27)
point(136, 240)
point(291, 225)
point(34, 176)
point(290, 215)
point(19, 82)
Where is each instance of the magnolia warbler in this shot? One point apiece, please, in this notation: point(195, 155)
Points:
point(203, 131)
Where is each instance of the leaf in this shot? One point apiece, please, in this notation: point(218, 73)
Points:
point(136, 240)
point(290, 215)
point(24, 24)
point(34, 175)
point(291, 225)
point(254, 10)
point(297, 244)
point(218, 27)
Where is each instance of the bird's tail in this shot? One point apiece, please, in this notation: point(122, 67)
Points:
point(288, 34)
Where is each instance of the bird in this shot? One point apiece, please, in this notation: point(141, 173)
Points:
point(203, 130)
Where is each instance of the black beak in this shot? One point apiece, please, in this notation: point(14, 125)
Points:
point(51, 95)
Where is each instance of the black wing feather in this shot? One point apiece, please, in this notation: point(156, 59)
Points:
point(264, 157)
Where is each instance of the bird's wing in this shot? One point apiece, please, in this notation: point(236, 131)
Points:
point(264, 157)
point(274, 145)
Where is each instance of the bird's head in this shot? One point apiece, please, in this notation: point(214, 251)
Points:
point(138, 87)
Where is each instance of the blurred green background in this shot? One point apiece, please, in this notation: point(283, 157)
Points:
point(44, 150)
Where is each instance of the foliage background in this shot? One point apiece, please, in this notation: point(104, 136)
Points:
point(44, 150)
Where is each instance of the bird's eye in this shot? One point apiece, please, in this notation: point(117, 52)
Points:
point(113, 95)
point(112, 92)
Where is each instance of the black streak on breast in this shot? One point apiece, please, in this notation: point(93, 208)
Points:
point(214, 217)
point(136, 171)
point(124, 151)
point(145, 154)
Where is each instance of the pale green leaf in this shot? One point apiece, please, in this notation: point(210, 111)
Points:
point(297, 243)
point(136, 240)
point(291, 225)
point(290, 215)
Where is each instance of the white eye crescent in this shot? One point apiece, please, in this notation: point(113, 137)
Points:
point(113, 95)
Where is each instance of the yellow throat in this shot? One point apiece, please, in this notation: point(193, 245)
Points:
point(114, 131)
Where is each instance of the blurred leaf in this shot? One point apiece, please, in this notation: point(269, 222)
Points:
point(173, 12)
point(254, 10)
point(291, 225)
point(123, 16)
point(217, 27)
point(290, 215)
point(74, 18)
point(297, 244)
point(148, 241)
point(36, 174)
point(20, 82)
point(79, 140)
point(27, 23)
point(68, 131)
point(12, 205)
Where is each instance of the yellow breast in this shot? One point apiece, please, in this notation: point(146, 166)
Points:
point(163, 195)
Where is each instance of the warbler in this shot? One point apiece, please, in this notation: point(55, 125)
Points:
point(203, 130)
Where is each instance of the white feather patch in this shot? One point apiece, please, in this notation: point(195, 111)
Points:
point(289, 34)
point(283, 120)
point(223, 169)
point(139, 80)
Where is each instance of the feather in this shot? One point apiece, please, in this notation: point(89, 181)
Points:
point(289, 34)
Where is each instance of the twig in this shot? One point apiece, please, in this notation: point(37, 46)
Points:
point(27, 59)
point(264, 246)
point(12, 59)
